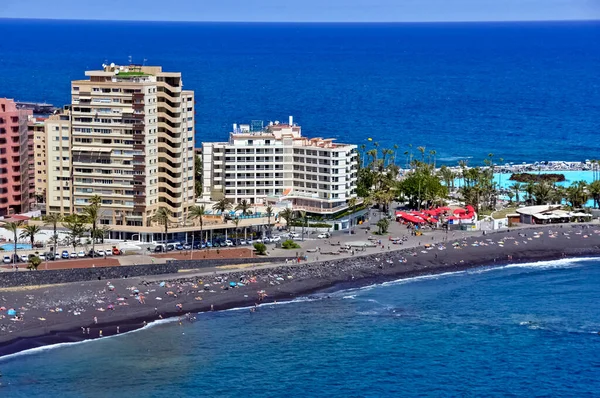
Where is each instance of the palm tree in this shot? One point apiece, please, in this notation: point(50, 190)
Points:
point(594, 190)
point(14, 228)
point(223, 205)
point(29, 232)
point(432, 154)
point(510, 195)
point(236, 222)
point(53, 219)
point(302, 217)
point(91, 214)
point(243, 206)
point(269, 212)
point(529, 190)
point(422, 150)
point(288, 216)
point(517, 188)
point(76, 227)
point(352, 204)
point(198, 212)
point(162, 216)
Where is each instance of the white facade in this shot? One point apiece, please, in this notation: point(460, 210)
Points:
point(277, 164)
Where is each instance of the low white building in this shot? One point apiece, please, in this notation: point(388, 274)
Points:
point(275, 163)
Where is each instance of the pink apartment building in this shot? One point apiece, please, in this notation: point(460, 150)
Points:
point(17, 172)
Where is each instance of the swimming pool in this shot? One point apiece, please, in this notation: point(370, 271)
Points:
point(11, 246)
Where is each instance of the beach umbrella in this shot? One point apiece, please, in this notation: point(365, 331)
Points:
point(12, 312)
point(232, 284)
point(2, 308)
point(162, 284)
point(110, 307)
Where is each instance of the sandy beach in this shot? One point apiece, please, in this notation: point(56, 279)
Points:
point(72, 312)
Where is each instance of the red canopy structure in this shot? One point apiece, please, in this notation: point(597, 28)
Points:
point(459, 211)
point(410, 217)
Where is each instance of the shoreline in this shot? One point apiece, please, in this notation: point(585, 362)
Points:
point(285, 283)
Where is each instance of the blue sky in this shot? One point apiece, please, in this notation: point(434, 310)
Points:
point(304, 10)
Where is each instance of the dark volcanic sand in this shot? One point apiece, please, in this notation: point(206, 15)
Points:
point(80, 301)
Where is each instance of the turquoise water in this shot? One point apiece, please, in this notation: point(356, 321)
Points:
point(11, 246)
point(503, 180)
point(521, 330)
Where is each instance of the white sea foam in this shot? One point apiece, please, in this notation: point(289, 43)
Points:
point(38, 350)
point(294, 301)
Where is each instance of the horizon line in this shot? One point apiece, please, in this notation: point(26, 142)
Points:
point(302, 22)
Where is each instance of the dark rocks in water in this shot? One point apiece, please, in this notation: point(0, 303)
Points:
point(530, 177)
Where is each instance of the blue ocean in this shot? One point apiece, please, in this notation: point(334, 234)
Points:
point(523, 91)
point(520, 330)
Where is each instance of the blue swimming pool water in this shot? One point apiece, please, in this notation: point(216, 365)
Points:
point(11, 246)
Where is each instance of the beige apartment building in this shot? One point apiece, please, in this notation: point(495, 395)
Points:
point(39, 156)
point(58, 163)
point(132, 144)
point(277, 164)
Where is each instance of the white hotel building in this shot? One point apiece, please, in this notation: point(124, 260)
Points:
point(277, 164)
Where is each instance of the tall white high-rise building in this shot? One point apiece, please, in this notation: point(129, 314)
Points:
point(275, 162)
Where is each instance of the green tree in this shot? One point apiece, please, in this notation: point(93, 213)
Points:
point(269, 213)
point(302, 217)
point(91, 214)
point(422, 184)
point(243, 206)
point(542, 193)
point(577, 194)
point(29, 232)
point(162, 217)
point(53, 219)
point(76, 227)
point(383, 225)
point(288, 216)
point(594, 191)
point(517, 188)
point(260, 248)
point(198, 176)
point(14, 228)
point(34, 262)
point(222, 205)
point(198, 212)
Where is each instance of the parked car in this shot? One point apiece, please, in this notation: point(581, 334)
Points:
point(179, 246)
point(276, 239)
point(265, 240)
point(159, 249)
point(42, 256)
point(65, 254)
point(6, 260)
point(108, 252)
point(73, 254)
point(170, 247)
point(243, 242)
point(323, 235)
point(116, 251)
point(100, 253)
point(249, 242)
point(198, 245)
point(228, 243)
point(57, 256)
point(81, 254)
point(294, 235)
point(24, 258)
point(209, 244)
point(187, 246)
